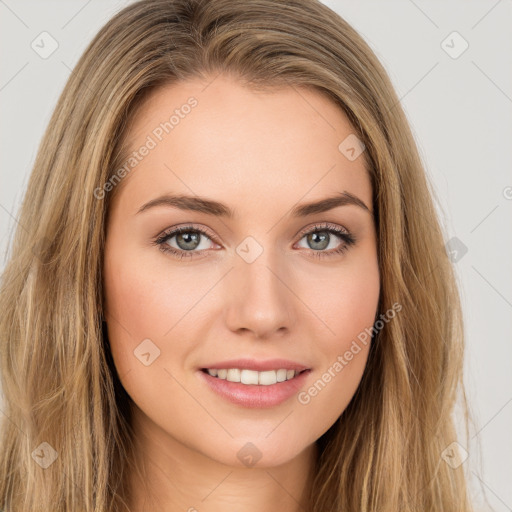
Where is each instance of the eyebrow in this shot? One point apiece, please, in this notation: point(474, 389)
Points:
point(211, 207)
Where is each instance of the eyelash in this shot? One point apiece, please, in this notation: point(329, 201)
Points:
point(348, 239)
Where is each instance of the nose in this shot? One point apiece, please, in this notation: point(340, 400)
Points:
point(259, 298)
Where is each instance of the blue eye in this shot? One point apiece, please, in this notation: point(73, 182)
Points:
point(188, 241)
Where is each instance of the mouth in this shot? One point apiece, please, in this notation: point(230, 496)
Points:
point(254, 389)
point(253, 377)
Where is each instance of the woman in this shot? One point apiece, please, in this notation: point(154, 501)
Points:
point(231, 289)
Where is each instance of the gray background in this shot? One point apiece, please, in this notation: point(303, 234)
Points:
point(460, 112)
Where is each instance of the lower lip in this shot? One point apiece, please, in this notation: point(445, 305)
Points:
point(252, 395)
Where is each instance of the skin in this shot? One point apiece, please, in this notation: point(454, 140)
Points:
point(260, 153)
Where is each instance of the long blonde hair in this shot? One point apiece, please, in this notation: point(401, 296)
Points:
point(59, 384)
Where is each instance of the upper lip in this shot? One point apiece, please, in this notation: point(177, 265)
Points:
point(260, 366)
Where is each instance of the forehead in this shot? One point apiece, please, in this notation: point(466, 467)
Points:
point(218, 138)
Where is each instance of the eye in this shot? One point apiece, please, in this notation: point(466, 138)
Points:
point(190, 240)
point(187, 240)
point(324, 235)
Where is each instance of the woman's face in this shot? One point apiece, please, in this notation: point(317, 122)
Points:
point(257, 285)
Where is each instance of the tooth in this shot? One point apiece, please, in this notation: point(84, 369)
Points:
point(253, 377)
point(281, 375)
point(233, 375)
point(267, 378)
point(249, 377)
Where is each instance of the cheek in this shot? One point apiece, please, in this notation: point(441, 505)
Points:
point(144, 308)
point(343, 299)
point(146, 300)
point(350, 307)
point(139, 307)
point(347, 306)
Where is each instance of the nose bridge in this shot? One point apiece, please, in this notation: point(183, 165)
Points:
point(257, 297)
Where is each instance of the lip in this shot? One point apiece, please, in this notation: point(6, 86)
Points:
point(254, 396)
point(260, 366)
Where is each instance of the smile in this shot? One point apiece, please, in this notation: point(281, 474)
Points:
point(254, 389)
point(252, 377)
